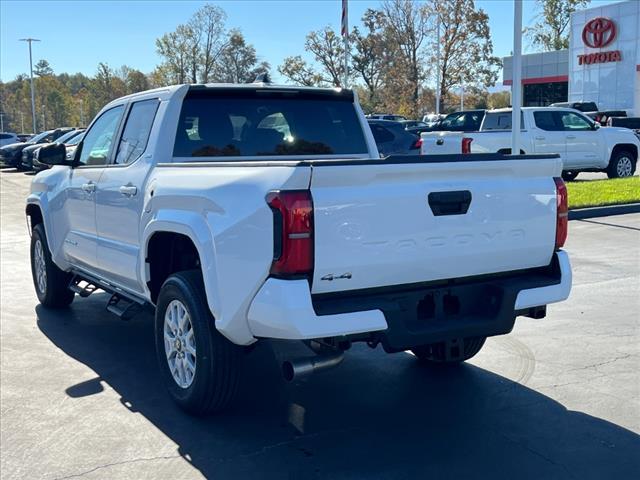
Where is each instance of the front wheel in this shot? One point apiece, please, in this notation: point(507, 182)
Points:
point(451, 352)
point(622, 164)
point(51, 283)
point(200, 367)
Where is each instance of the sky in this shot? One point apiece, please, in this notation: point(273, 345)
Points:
point(76, 35)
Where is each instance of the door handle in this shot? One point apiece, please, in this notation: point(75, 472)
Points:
point(541, 138)
point(128, 190)
point(571, 137)
point(89, 187)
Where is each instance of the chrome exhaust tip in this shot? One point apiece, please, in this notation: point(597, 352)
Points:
point(298, 368)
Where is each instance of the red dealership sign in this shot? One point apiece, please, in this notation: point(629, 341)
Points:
point(598, 33)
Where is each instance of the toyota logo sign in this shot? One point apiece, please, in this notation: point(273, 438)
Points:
point(599, 32)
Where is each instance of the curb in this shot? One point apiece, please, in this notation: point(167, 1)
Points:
point(605, 211)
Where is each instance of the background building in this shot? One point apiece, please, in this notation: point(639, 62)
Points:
point(602, 63)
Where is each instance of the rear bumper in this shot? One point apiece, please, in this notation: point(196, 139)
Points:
point(407, 316)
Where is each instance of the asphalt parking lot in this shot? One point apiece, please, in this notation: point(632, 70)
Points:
point(558, 398)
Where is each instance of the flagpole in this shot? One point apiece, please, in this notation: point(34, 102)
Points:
point(345, 37)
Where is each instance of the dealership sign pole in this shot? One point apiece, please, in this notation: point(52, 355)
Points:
point(516, 86)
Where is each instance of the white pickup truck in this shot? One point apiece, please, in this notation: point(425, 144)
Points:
point(249, 212)
point(582, 145)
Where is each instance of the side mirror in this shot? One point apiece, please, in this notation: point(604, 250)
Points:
point(53, 154)
point(596, 125)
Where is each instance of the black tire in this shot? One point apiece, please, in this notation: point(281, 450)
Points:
point(218, 362)
point(438, 353)
point(622, 164)
point(54, 291)
point(569, 175)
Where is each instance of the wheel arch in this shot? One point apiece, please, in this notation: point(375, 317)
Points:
point(624, 147)
point(189, 236)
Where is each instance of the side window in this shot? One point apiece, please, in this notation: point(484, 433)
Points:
point(500, 121)
point(98, 140)
point(381, 134)
point(546, 120)
point(572, 121)
point(136, 131)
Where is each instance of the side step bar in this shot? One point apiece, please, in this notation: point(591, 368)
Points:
point(122, 304)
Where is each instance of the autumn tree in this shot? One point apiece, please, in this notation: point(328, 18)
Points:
point(466, 50)
point(368, 57)
point(407, 27)
point(499, 99)
point(327, 48)
point(191, 52)
point(298, 71)
point(550, 32)
point(239, 61)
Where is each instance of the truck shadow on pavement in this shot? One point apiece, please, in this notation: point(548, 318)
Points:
point(376, 416)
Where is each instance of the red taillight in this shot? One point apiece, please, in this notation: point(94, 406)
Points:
point(418, 143)
point(562, 216)
point(466, 145)
point(293, 232)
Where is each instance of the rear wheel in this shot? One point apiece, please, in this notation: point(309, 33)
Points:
point(451, 352)
point(622, 164)
point(569, 175)
point(51, 283)
point(200, 367)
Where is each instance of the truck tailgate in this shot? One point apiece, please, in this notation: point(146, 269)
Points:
point(403, 222)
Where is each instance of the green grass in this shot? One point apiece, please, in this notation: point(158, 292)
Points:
point(603, 192)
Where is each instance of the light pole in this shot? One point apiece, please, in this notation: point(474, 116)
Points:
point(21, 122)
point(1, 122)
point(461, 95)
point(33, 92)
point(516, 86)
point(81, 115)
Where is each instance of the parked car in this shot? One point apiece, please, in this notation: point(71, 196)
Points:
point(7, 138)
point(581, 143)
point(234, 236)
point(11, 155)
point(632, 123)
point(431, 118)
point(583, 107)
point(386, 116)
point(70, 146)
point(28, 153)
point(392, 139)
point(413, 124)
point(462, 121)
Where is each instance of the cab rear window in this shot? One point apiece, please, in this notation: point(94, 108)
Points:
point(254, 124)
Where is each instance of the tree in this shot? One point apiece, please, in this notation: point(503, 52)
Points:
point(550, 32)
point(499, 100)
point(238, 61)
point(328, 51)
point(208, 33)
point(300, 72)
point(174, 48)
point(42, 69)
point(191, 52)
point(368, 60)
point(466, 50)
point(407, 26)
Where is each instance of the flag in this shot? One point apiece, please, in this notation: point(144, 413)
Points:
point(345, 18)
